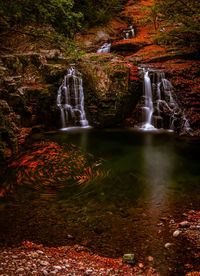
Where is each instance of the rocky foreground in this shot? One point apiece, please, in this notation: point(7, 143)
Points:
point(33, 259)
point(36, 259)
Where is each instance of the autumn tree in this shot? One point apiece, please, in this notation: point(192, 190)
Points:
point(178, 21)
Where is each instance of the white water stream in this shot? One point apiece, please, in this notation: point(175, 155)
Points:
point(128, 33)
point(160, 110)
point(105, 48)
point(70, 100)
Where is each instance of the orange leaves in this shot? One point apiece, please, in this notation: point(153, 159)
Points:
point(134, 72)
point(2, 193)
point(82, 180)
point(46, 166)
point(90, 171)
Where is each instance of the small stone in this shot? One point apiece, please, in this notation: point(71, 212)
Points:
point(184, 224)
point(44, 272)
point(19, 270)
point(150, 258)
point(191, 212)
point(163, 219)
point(40, 252)
point(57, 267)
point(140, 265)
point(193, 227)
point(70, 237)
point(167, 245)
point(129, 258)
point(44, 263)
point(88, 271)
point(34, 255)
point(176, 233)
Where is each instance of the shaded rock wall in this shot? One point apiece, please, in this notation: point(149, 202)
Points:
point(28, 92)
point(110, 95)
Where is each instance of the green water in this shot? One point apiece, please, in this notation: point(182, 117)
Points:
point(149, 175)
point(147, 166)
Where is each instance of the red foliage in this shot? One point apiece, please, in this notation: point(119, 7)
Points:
point(47, 166)
point(134, 72)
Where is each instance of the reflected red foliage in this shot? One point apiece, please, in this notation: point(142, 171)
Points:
point(47, 166)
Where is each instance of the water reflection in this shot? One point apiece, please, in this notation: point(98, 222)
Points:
point(158, 165)
point(84, 140)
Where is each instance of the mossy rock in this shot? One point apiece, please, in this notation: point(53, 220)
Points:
point(110, 96)
point(53, 73)
point(12, 63)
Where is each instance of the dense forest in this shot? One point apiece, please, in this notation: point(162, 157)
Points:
point(66, 16)
point(180, 18)
point(175, 21)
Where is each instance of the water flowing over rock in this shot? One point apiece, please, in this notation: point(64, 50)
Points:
point(105, 48)
point(70, 100)
point(159, 109)
point(128, 33)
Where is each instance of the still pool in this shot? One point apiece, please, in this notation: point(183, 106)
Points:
point(149, 179)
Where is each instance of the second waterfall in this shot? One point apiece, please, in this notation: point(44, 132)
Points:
point(159, 109)
point(70, 100)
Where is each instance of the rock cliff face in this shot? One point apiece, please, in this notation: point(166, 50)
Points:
point(110, 94)
point(28, 92)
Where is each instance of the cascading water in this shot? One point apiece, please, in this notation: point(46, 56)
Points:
point(70, 100)
point(105, 48)
point(159, 108)
point(148, 108)
point(128, 33)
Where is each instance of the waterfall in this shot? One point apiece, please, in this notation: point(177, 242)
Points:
point(105, 48)
point(148, 107)
point(159, 108)
point(70, 100)
point(128, 33)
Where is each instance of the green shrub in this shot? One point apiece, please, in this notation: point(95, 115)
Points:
point(177, 22)
point(98, 11)
point(58, 13)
